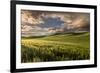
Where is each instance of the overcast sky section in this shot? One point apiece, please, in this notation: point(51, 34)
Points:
point(37, 23)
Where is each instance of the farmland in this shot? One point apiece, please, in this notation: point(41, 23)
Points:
point(58, 47)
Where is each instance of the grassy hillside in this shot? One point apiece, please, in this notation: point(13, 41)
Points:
point(58, 47)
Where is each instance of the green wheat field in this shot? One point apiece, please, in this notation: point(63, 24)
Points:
point(57, 47)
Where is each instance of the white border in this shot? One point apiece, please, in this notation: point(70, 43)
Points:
point(20, 65)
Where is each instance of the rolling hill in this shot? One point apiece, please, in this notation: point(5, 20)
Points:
point(57, 47)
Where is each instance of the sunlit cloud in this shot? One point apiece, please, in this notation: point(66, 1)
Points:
point(28, 17)
point(44, 23)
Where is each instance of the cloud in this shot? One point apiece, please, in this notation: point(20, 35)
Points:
point(81, 21)
point(34, 31)
point(45, 23)
point(30, 18)
point(70, 19)
point(26, 28)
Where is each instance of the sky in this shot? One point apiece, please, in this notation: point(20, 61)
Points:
point(37, 23)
